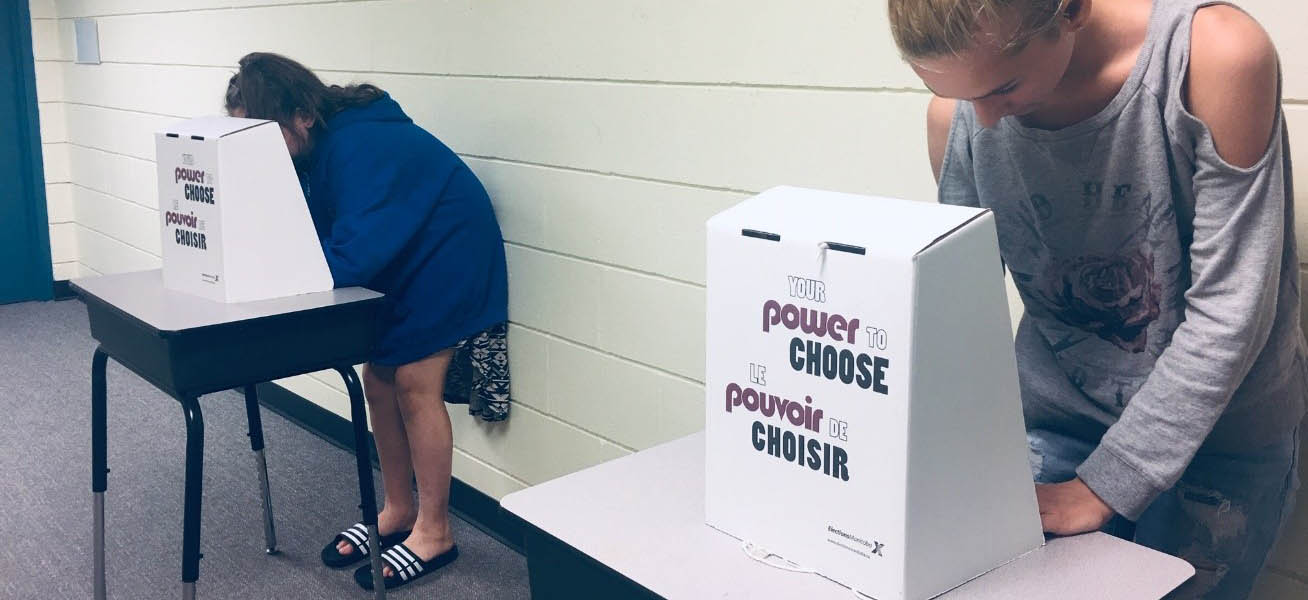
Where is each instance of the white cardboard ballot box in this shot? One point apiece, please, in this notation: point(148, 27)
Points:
point(233, 218)
point(863, 417)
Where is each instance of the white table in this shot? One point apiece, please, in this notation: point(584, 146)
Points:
point(634, 527)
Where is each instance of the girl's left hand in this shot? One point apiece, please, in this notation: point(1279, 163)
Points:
point(1071, 507)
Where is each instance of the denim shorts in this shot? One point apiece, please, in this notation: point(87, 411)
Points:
point(1223, 516)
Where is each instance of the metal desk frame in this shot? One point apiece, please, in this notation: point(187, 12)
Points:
point(205, 347)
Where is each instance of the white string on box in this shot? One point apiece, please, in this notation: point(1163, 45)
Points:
point(762, 555)
point(822, 258)
point(749, 548)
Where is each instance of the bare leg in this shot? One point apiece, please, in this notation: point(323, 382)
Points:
point(398, 510)
point(420, 395)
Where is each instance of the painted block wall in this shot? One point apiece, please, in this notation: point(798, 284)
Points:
point(606, 133)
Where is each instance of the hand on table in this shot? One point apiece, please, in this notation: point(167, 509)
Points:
point(1070, 508)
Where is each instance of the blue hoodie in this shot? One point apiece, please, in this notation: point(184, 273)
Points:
point(398, 212)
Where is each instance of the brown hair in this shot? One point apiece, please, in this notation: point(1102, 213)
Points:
point(932, 28)
point(271, 86)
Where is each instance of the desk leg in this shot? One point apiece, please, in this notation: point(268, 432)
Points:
point(256, 444)
point(99, 469)
point(194, 486)
point(363, 460)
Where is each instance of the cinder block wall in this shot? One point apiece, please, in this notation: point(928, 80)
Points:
point(606, 132)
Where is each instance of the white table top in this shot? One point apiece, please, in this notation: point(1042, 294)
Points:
point(141, 294)
point(643, 516)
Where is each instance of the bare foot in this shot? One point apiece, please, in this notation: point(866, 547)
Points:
point(388, 522)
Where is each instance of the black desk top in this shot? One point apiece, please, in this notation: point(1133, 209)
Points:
point(186, 345)
point(141, 295)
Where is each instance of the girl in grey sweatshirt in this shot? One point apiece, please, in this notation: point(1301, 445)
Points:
point(1135, 156)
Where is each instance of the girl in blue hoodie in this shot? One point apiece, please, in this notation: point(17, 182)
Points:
point(398, 212)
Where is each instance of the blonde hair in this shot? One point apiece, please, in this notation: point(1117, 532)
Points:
point(932, 28)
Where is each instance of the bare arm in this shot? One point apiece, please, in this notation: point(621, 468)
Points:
point(940, 113)
point(1232, 83)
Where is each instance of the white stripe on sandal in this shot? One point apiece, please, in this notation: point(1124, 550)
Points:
point(358, 535)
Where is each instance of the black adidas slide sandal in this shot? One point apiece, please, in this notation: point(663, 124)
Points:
point(405, 566)
point(357, 536)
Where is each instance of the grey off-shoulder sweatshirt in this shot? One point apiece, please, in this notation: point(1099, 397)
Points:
point(1160, 282)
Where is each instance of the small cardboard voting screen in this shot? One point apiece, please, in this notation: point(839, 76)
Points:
point(233, 218)
point(863, 417)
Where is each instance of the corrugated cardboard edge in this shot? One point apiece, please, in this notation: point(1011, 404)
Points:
point(257, 125)
point(984, 212)
point(174, 134)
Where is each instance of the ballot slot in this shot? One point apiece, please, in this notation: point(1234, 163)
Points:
point(762, 235)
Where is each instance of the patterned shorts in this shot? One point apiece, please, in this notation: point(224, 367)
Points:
point(479, 374)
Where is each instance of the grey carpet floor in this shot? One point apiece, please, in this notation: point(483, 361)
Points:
point(45, 483)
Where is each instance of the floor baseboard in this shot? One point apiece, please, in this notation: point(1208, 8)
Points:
point(61, 290)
